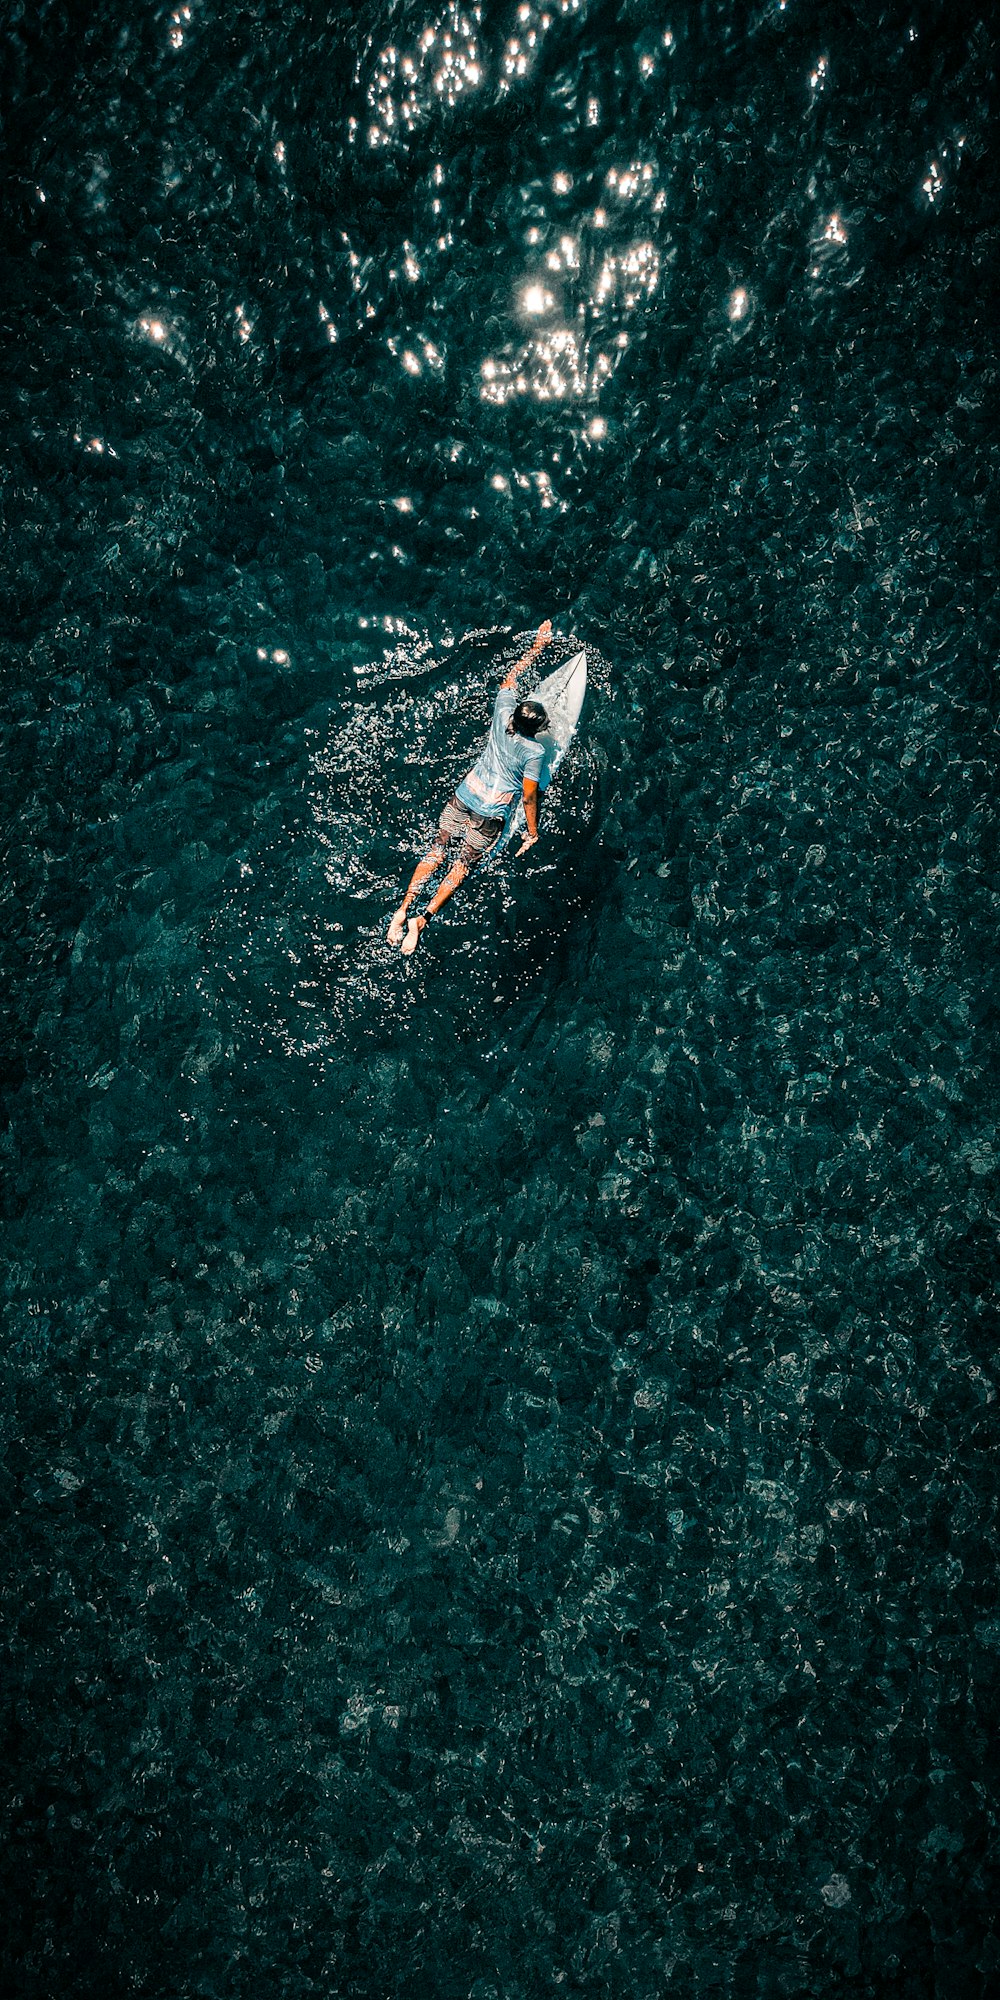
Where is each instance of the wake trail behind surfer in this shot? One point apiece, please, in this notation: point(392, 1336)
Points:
point(510, 762)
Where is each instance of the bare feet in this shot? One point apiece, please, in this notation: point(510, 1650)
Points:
point(394, 934)
point(412, 938)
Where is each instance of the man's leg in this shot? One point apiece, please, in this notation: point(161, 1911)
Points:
point(422, 873)
point(455, 877)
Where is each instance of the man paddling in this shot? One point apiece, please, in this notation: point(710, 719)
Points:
point(509, 762)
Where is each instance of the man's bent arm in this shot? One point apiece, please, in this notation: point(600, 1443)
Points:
point(538, 644)
point(530, 791)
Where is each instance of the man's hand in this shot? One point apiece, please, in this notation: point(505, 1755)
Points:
point(527, 840)
point(538, 645)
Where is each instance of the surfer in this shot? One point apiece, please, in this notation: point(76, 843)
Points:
point(474, 817)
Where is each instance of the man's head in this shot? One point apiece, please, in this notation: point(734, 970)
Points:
point(528, 719)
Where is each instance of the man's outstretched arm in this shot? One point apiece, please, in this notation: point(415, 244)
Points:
point(538, 644)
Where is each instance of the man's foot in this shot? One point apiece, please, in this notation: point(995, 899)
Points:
point(412, 938)
point(394, 934)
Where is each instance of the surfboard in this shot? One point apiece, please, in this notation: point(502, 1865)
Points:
point(561, 694)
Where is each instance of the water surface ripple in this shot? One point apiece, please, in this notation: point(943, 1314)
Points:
point(499, 1474)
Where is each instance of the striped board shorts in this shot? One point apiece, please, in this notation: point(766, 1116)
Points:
point(477, 835)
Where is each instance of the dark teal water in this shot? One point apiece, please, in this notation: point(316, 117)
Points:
point(499, 1485)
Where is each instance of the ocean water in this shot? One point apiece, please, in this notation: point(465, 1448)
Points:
point(499, 1473)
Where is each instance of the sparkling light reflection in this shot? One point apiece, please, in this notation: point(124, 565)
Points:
point(96, 446)
point(573, 361)
point(444, 65)
point(628, 277)
point(632, 183)
point(520, 51)
point(414, 363)
point(179, 20)
point(551, 368)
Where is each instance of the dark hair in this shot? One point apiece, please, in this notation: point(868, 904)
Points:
point(529, 718)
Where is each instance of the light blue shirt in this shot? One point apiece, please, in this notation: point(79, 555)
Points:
point(503, 764)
